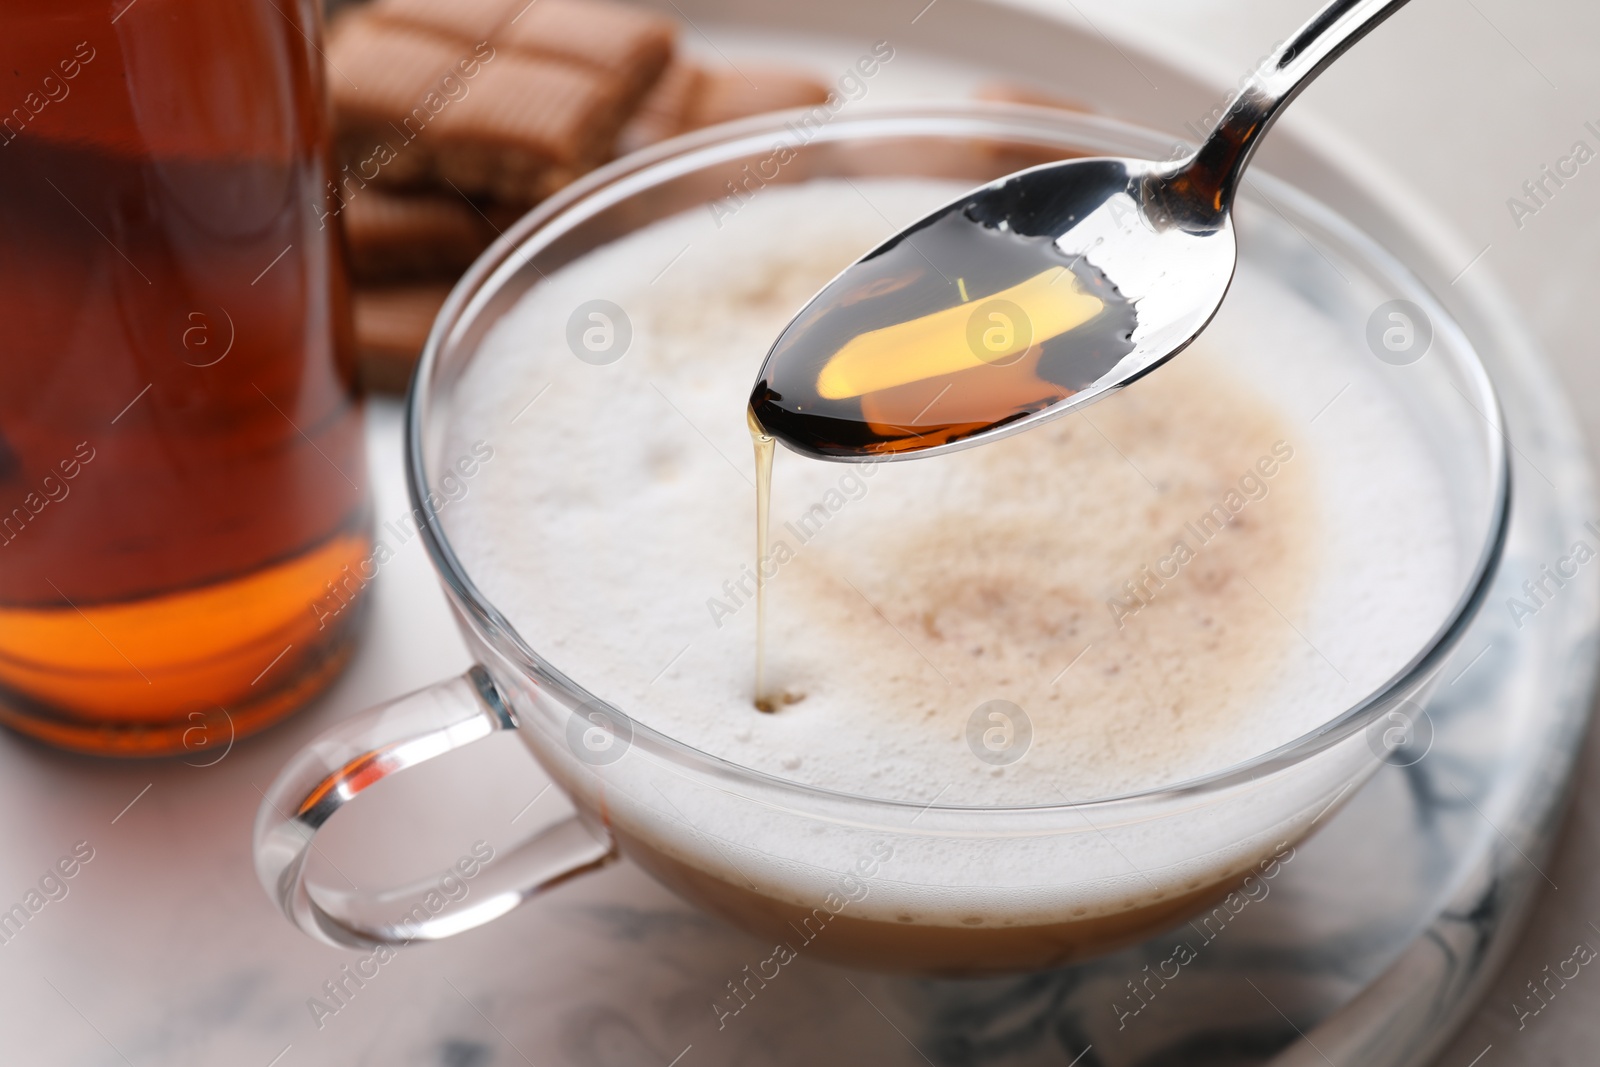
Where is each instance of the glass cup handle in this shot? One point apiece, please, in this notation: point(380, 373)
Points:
point(366, 749)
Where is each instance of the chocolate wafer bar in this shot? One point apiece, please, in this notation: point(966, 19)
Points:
point(628, 43)
point(665, 110)
point(385, 79)
point(392, 324)
point(514, 116)
point(530, 126)
point(687, 97)
point(393, 236)
point(726, 95)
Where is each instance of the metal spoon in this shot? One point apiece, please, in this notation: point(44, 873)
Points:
point(1159, 236)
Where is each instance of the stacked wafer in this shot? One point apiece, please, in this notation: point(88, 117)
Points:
point(452, 115)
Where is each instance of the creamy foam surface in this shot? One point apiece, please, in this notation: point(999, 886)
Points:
point(615, 530)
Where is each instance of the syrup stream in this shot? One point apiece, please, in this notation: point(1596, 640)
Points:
point(765, 445)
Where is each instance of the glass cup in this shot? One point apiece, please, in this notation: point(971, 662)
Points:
point(1036, 886)
point(184, 517)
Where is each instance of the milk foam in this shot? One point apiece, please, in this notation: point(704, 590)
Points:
point(615, 530)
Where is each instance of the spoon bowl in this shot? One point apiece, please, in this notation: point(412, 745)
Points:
point(900, 357)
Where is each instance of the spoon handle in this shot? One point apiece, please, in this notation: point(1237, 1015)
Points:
point(1201, 191)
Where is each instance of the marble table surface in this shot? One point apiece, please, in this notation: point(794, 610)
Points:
point(1463, 99)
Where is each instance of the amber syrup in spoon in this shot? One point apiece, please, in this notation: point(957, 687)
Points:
point(948, 330)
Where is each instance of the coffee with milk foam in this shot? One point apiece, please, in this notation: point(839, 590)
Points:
point(1188, 574)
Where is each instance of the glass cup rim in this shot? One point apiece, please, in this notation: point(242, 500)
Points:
point(622, 178)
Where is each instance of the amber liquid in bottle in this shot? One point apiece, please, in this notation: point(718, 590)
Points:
point(956, 326)
point(184, 519)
